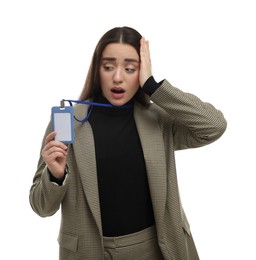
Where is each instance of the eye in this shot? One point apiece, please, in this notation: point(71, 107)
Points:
point(130, 70)
point(108, 67)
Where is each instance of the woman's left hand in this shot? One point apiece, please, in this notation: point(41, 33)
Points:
point(145, 63)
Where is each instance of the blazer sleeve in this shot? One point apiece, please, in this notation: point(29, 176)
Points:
point(194, 123)
point(45, 196)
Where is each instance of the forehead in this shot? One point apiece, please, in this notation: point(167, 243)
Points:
point(120, 51)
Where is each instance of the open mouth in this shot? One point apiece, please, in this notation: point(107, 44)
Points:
point(117, 90)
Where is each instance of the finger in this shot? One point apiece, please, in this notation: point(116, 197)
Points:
point(54, 146)
point(142, 46)
point(54, 156)
point(50, 137)
point(49, 141)
point(145, 53)
point(56, 149)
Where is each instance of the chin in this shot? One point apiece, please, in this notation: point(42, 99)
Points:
point(118, 102)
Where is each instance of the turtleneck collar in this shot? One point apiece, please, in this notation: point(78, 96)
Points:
point(113, 110)
point(102, 99)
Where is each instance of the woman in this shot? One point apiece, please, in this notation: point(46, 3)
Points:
point(117, 184)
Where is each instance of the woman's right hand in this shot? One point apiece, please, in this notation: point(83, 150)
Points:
point(54, 154)
point(145, 64)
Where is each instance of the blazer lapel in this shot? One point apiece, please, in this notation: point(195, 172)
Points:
point(153, 149)
point(85, 155)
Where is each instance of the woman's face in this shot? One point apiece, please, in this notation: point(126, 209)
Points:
point(119, 73)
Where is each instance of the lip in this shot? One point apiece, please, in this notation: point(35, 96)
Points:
point(117, 92)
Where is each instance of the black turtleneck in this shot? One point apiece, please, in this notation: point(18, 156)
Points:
point(123, 185)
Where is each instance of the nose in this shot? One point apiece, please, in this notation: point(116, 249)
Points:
point(118, 76)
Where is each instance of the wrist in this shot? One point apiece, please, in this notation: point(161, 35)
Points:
point(58, 179)
point(150, 86)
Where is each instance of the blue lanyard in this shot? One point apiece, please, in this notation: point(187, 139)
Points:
point(91, 104)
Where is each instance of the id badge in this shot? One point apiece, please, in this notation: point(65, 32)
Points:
point(63, 124)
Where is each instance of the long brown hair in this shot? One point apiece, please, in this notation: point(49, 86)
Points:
point(124, 35)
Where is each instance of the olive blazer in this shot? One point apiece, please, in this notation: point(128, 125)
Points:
point(174, 120)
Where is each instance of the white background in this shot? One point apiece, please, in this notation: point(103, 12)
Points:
point(203, 47)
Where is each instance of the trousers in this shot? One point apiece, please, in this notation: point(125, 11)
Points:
point(141, 245)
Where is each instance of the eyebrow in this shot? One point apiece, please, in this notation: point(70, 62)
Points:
point(114, 59)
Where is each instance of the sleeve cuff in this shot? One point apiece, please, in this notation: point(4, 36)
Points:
point(150, 86)
point(57, 181)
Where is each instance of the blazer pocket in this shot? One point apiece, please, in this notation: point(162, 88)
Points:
point(68, 241)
